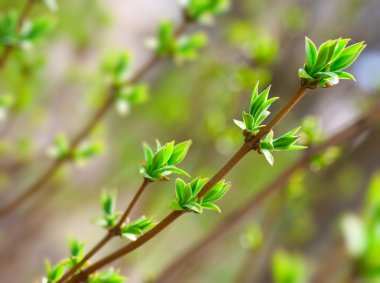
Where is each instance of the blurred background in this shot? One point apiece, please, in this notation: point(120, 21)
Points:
point(58, 83)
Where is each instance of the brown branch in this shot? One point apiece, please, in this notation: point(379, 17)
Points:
point(27, 8)
point(88, 127)
point(115, 231)
point(235, 219)
point(244, 149)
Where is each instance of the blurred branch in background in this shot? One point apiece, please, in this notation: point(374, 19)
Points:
point(84, 132)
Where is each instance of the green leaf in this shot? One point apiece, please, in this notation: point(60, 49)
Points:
point(287, 141)
point(211, 206)
point(261, 112)
point(216, 193)
point(194, 206)
point(248, 120)
point(108, 276)
point(311, 54)
point(60, 148)
point(187, 193)
point(263, 97)
point(303, 74)
point(179, 190)
point(254, 95)
point(204, 10)
point(168, 151)
point(148, 154)
point(240, 124)
point(76, 247)
point(174, 205)
point(54, 273)
point(187, 46)
point(345, 76)
point(322, 56)
point(170, 169)
point(197, 185)
point(159, 165)
point(268, 156)
point(87, 150)
point(342, 43)
point(136, 228)
point(179, 152)
point(348, 56)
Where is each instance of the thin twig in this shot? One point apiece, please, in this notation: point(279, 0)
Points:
point(86, 130)
point(349, 133)
point(27, 8)
point(111, 233)
point(232, 221)
point(244, 149)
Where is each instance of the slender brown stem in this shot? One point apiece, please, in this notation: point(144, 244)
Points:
point(344, 135)
point(234, 220)
point(24, 14)
point(244, 149)
point(86, 130)
point(111, 233)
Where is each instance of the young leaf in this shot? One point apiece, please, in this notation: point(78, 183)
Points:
point(311, 53)
point(108, 276)
point(179, 152)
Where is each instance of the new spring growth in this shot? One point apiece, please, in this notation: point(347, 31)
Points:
point(54, 273)
point(160, 164)
point(24, 36)
point(183, 48)
point(61, 149)
point(187, 196)
point(204, 10)
point(324, 66)
point(253, 122)
point(130, 230)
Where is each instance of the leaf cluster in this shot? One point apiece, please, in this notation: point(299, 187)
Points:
point(108, 276)
point(128, 95)
point(61, 149)
point(30, 33)
point(187, 196)
point(110, 216)
point(324, 66)
point(117, 66)
point(54, 273)
point(284, 142)
point(136, 228)
point(183, 48)
point(252, 123)
point(160, 164)
point(258, 110)
point(204, 10)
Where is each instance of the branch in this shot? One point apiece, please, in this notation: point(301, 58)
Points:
point(244, 149)
point(350, 132)
point(111, 233)
point(87, 128)
point(235, 219)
